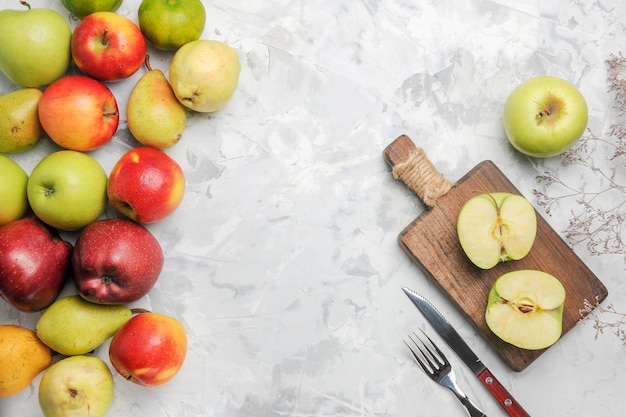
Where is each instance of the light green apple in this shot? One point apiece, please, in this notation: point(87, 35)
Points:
point(525, 308)
point(13, 200)
point(67, 190)
point(82, 8)
point(76, 386)
point(545, 116)
point(496, 227)
point(34, 46)
point(204, 74)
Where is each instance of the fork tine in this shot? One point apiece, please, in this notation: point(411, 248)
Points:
point(424, 358)
point(416, 356)
point(441, 358)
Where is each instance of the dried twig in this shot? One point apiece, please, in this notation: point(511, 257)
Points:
point(598, 221)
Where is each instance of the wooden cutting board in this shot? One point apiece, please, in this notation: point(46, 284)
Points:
point(431, 241)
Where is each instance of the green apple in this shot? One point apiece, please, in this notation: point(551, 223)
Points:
point(82, 8)
point(170, 24)
point(204, 74)
point(76, 386)
point(525, 309)
point(34, 46)
point(67, 190)
point(496, 227)
point(13, 200)
point(545, 116)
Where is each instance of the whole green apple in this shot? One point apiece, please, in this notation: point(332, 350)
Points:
point(204, 74)
point(76, 386)
point(67, 189)
point(171, 24)
point(13, 180)
point(82, 8)
point(545, 116)
point(34, 46)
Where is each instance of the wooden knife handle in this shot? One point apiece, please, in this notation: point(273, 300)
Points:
point(504, 398)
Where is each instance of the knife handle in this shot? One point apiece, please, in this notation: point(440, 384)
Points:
point(504, 398)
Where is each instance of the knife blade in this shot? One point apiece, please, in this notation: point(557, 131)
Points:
point(465, 353)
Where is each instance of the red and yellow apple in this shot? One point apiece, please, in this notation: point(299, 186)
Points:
point(545, 116)
point(116, 261)
point(146, 185)
point(149, 349)
point(108, 46)
point(79, 113)
point(34, 261)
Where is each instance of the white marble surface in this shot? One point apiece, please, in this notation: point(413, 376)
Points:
point(282, 261)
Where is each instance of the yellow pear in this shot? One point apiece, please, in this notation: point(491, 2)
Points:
point(155, 116)
point(19, 120)
point(22, 357)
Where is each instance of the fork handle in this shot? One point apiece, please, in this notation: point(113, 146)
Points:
point(504, 398)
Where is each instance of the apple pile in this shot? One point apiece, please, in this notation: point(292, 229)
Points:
point(112, 261)
point(524, 307)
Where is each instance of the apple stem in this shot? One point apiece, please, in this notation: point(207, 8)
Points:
point(105, 37)
point(139, 310)
point(25, 3)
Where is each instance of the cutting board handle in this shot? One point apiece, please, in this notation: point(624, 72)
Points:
point(411, 165)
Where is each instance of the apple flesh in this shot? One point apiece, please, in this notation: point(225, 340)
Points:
point(108, 46)
point(496, 227)
point(146, 185)
point(116, 261)
point(34, 261)
point(545, 116)
point(525, 309)
point(149, 349)
point(79, 113)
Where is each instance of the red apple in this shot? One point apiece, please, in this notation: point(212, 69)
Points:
point(146, 184)
point(34, 261)
point(108, 46)
point(149, 349)
point(78, 113)
point(116, 261)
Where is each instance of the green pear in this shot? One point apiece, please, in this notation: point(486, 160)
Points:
point(19, 120)
point(74, 326)
point(76, 386)
point(155, 116)
point(34, 46)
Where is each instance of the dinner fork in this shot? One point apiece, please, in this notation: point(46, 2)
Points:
point(438, 368)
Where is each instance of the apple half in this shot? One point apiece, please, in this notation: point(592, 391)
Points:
point(525, 309)
point(496, 227)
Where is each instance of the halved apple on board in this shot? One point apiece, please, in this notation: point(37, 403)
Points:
point(496, 227)
point(525, 309)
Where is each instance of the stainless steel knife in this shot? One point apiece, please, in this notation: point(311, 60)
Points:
point(463, 351)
